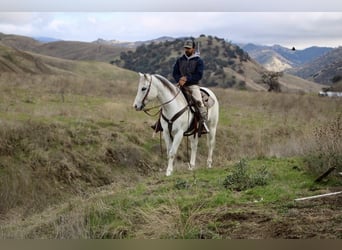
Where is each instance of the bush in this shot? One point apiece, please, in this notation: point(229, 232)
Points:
point(336, 78)
point(241, 178)
point(327, 149)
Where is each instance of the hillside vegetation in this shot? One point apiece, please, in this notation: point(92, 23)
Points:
point(77, 161)
point(226, 65)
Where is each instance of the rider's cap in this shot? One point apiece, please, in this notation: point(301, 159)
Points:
point(189, 44)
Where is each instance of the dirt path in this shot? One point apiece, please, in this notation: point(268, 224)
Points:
point(311, 219)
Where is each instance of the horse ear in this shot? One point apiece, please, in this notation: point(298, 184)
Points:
point(141, 74)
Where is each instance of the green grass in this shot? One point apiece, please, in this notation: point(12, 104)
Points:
point(187, 195)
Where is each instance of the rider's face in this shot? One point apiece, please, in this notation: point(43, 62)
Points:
point(189, 51)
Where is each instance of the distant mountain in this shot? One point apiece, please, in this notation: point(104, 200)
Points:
point(132, 45)
point(278, 58)
point(44, 39)
point(116, 43)
point(267, 57)
point(300, 57)
point(324, 69)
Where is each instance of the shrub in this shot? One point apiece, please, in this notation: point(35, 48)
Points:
point(327, 148)
point(241, 178)
point(336, 78)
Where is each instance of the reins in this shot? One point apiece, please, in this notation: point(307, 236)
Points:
point(159, 106)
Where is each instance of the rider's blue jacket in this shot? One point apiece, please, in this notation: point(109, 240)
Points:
point(192, 67)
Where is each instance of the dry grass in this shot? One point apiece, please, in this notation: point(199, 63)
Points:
point(63, 136)
point(266, 124)
point(66, 221)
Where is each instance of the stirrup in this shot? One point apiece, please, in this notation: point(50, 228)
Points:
point(157, 127)
point(203, 129)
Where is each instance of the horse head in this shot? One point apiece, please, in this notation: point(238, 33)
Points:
point(145, 93)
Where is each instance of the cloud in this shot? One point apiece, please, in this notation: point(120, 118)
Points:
point(23, 23)
point(17, 18)
point(170, 6)
point(286, 28)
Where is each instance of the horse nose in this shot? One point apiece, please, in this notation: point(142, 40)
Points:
point(137, 107)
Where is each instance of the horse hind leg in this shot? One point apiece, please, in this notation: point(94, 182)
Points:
point(211, 145)
point(194, 144)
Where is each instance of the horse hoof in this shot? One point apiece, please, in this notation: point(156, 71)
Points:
point(191, 167)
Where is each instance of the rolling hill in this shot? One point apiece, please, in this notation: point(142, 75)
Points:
point(19, 42)
point(80, 51)
point(227, 65)
point(23, 62)
point(72, 50)
point(17, 61)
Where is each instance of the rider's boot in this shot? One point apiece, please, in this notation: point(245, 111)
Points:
point(203, 128)
point(157, 126)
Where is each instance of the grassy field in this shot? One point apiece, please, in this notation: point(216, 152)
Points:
point(77, 161)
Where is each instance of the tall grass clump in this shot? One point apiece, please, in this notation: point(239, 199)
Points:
point(326, 150)
point(242, 178)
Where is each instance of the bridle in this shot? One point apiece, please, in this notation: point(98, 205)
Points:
point(147, 92)
point(146, 110)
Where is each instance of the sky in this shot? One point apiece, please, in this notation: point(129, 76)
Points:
point(296, 25)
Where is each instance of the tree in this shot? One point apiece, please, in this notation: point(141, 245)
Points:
point(336, 78)
point(271, 79)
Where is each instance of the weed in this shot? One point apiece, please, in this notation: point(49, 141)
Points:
point(327, 148)
point(241, 178)
point(181, 184)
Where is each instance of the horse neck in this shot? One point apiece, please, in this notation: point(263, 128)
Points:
point(174, 101)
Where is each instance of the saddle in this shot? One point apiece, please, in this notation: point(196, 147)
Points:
point(208, 102)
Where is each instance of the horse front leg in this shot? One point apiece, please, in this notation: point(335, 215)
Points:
point(168, 141)
point(172, 152)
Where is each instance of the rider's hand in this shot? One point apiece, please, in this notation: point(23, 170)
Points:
point(182, 80)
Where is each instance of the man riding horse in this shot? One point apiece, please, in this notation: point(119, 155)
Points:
point(187, 72)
